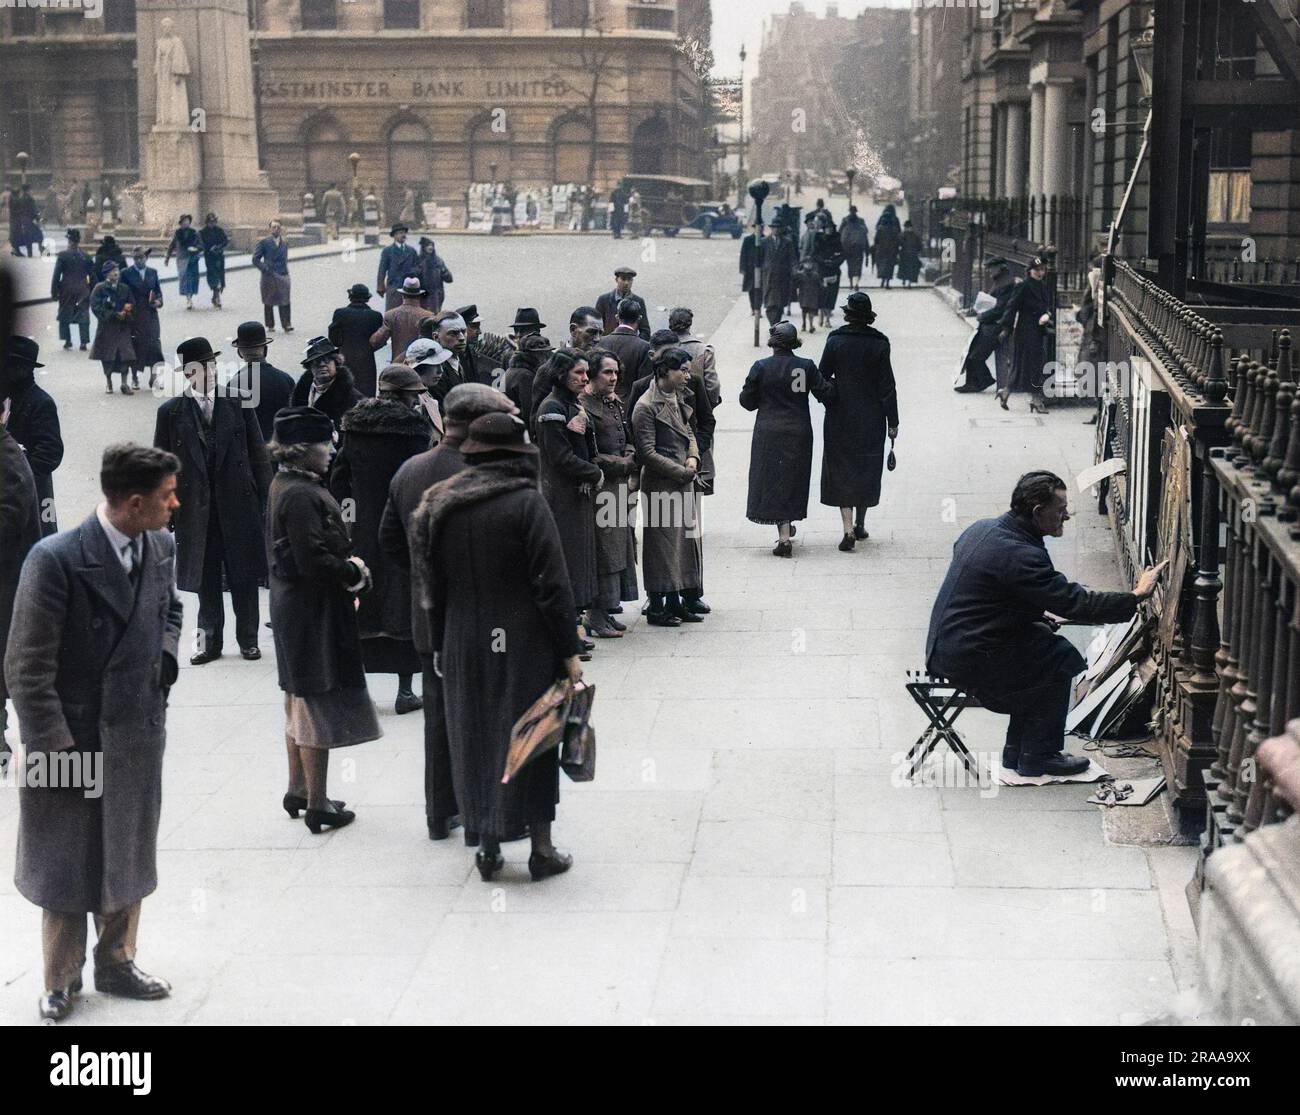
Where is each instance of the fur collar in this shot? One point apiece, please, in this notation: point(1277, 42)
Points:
point(383, 416)
point(471, 485)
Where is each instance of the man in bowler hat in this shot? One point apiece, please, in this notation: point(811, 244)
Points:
point(351, 329)
point(225, 478)
point(258, 381)
point(33, 422)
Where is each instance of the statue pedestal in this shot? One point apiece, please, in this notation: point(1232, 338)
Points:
point(173, 173)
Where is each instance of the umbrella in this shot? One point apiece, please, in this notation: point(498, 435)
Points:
point(558, 714)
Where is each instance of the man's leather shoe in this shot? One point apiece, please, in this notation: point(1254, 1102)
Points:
point(698, 607)
point(1059, 765)
point(203, 657)
point(129, 982)
point(1010, 757)
point(662, 619)
point(252, 654)
point(408, 702)
point(55, 1006)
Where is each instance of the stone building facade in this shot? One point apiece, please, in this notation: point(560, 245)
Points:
point(430, 93)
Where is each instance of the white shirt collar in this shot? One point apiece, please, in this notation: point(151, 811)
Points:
point(116, 538)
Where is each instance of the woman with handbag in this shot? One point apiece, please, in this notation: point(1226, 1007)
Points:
point(315, 581)
point(496, 587)
point(856, 362)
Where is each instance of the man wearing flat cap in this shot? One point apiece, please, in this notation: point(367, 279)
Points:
point(462, 406)
point(402, 323)
point(607, 304)
point(397, 263)
point(351, 329)
point(492, 351)
point(225, 478)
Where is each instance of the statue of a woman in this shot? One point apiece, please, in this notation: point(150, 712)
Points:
point(171, 66)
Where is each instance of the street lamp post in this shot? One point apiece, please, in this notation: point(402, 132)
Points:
point(758, 190)
point(22, 159)
point(740, 171)
point(851, 173)
point(355, 206)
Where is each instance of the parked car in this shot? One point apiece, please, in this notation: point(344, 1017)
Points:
point(668, 202)
point(716, 216)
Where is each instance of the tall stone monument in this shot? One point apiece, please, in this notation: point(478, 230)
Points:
point(196, 109)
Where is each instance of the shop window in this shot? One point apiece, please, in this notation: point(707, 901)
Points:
point(401, 14)
point(486, 13)
point(26, 124)
point(569, 13)
point(319, 15)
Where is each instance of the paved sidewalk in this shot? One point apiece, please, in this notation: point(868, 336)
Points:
point(745, 853)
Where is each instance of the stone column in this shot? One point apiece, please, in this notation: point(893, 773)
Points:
point(1036, 99)
point(1014, 180)
point(211, 162)
point(1056, 139)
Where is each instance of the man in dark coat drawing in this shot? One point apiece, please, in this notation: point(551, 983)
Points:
point(988, 633)
point(225, 478)
point(98, 701)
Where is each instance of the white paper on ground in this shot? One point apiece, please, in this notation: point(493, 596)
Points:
point(1094, 773)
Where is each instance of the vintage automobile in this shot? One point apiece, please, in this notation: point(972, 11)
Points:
point(716, 216)
point(666, 202)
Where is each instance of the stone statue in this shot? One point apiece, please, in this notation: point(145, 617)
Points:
point(171, 66)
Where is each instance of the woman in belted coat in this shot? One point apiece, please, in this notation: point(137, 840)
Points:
point(616, 456)
point(110, 302)
point(570, 475)
point(379, 435)
point(780, 459)
point(671, 555)
point(314, 582)
point(1028, 314)
point(856, 362)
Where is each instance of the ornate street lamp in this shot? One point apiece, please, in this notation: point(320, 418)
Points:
point(354, 208)
point(758, 190)
point(1144, 48)
point(851, 173)
point(22, 159)
point(740, 170)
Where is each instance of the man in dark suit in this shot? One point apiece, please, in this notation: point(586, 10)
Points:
point(33, 422)
point(74, 277)
point(146, 329)
point(607, 304)
point(20, 530)
point(397, 263)
point(464, 403)
point(351, 329)
point(989, 635)
point(90, 659)
point(633, 350)
point(751, 275)
point(225, 478)
point(258, 381)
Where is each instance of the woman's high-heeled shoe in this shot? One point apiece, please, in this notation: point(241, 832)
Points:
point(489, 864)
point(293, 804)
point(318, 819)
point(784, 549)
point(846, 544)
point(543, 867)
point(860, 532)
point(1037, 407)
point(1002, 400)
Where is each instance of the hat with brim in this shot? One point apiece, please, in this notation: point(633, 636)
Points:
point(527, 318)
point(398, 228)
point(497, 433)
point(858, 308)
point(412, 288)
point(358, 292)
point(425, 350)
point(624, 273)
point(469, 313)
point(302, 426)
point(195, 350)
point(784, 335)
point(107, 266)
point(250, 334)
point(318, 348)
point(467, 401)
point(23, 350)
point(398, 377)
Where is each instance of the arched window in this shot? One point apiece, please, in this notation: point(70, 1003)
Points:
point(327, 157)
point(486, 149)
point(649, 146)
point(572, 152)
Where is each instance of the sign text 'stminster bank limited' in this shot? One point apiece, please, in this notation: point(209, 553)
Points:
point(477, 89)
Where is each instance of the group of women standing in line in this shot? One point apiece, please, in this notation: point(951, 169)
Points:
point(855, 383)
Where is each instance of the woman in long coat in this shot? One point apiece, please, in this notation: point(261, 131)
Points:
point(314, 582)
point(889, 238)
point(215, 242)
point(909, 255)
point(1028, 314)
point(780, 459)
point(856, 362)
point(379, 435)
point(187, 246)
point(570, 475)
point(671, 555)
point(830, 258)
point(501, 620)
point(616, 458)
point(779, 257)
point(434, 275)
point(110, 302)
point(855, 240)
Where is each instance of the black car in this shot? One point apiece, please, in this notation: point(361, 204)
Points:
point(716, 216)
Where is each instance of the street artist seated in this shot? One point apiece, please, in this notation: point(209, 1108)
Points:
point(989, 635)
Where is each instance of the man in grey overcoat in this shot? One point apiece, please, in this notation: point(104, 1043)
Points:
point(89, 662)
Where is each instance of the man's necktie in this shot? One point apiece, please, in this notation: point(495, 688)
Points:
point(131, 557)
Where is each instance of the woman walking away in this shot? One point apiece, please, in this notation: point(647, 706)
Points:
point(314, 582)
point(809, 282)
point(570, 476)
point(379, 435)
point(215, 241)
point(856, 362)
point(111, 304)
point(501, 617)
point(780, 460)
point(187, 247)
point(670, 461)
point(1028, 314)
point(855, 240)
point(909, 255)
point(889, 238)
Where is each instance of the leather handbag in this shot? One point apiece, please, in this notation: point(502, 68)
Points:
point(891, 462)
